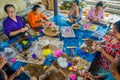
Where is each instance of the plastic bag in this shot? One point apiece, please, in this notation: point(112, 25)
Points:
point(98, 35)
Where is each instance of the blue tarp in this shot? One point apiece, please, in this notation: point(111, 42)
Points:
point(80, 34)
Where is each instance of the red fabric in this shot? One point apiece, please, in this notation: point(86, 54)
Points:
point(111, 49)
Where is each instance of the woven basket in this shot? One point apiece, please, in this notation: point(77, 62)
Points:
point(89, 44)
point(51, 32)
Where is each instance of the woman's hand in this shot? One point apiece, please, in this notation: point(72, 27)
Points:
point(26, 28)
point(95, 20)
point(3, 61)
point(96, 43)
point(86, 75)
point(90, 76)
point(83, 75)
point(98, 48)
point(91, 18)
point(46, 23)
point(19, 71)
point(23, 29)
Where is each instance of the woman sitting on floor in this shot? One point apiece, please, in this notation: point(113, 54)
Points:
point(113, 75)
point(35, 17)
point(3, 75)
point(110, 48)
point(96, 14)
point(75, 12)
point(13, 25)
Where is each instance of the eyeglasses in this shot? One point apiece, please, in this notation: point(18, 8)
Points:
point(11, 11)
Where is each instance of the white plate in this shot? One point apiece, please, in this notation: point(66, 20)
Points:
point(67, 32)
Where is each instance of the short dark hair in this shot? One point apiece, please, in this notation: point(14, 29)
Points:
point(8, 5)
point(118, 65)
point(99, 4)
point(117, 25)
point(77, 2)
point(2, 75)
point(35, 7)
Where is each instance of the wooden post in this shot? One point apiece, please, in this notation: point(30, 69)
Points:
point(55, 7)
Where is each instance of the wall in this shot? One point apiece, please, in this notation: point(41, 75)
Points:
point(20, 5)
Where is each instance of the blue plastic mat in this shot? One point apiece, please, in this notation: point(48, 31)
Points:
point(80, 34)
point(60, 20)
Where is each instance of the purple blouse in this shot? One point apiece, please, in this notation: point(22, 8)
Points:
point(92, 14)
point(10, 25)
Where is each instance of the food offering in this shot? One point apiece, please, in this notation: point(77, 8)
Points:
point(32, 58)
point(51, 31)
point(25, 43)
point(32, 33)
point(67, 32)
point(76, 26)
point(90, 27)
point(81, 64)
point(87, 46)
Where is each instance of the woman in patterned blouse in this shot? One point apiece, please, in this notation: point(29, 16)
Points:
point(110, 48)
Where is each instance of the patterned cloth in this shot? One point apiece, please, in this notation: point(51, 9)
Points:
point(92, 14)
point(111, 49)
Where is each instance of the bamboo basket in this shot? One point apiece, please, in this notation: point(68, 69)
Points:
point(51, 32)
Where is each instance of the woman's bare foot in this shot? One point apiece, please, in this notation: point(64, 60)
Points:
point(33, 78)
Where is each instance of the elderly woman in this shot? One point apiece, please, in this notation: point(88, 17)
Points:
point(75, 12)
point(35, 17)
point(13, 25)
point(96, 13)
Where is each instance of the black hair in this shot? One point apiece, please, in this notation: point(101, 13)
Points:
point(117, 25)
point(102, 3)
point(99, 4)
point(8, 5)
point(77, 2)
point(118, 65)
point(35, 7)
point(2, 75)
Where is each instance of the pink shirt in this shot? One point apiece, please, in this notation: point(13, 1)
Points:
point(92, 14)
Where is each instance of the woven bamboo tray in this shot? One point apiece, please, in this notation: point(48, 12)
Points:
point(89, 46)
point(50, 32)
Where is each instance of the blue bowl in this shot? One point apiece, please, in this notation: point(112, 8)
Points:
point(27, 45)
